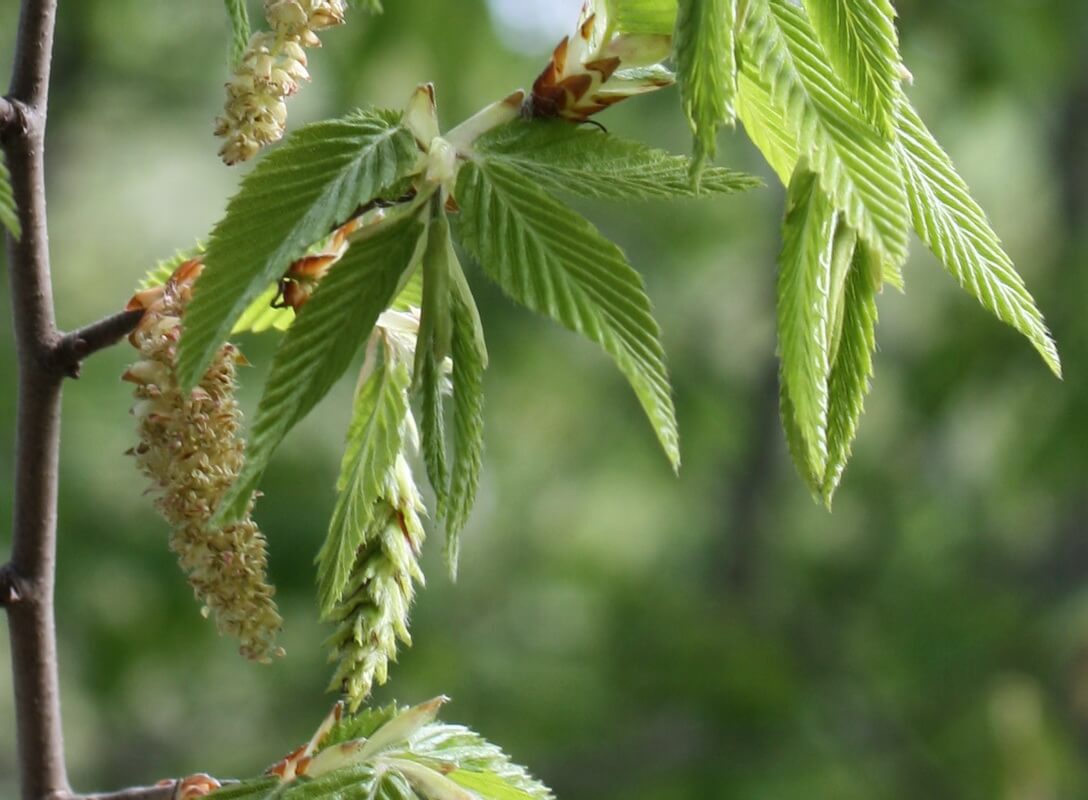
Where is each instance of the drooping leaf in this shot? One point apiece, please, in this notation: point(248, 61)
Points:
point(9, 213)
point(294, 197)
point(551, 260)
point(858, 168)
point(955, 228)
point(766, 126)
point(653, 17)
point(589, 163)
point(852, 368)
point(706, 66)
point(469, 362)
point(804, 276)
point(320, 345)
point(861, 42)
point(239, 26)
point(432, 424)
point(373, 441)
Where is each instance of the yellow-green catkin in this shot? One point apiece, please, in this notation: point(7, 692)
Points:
point(270, 71)
point(191, 450)
point(373, 613)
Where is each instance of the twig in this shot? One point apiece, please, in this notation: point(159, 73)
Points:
point(164, 791)
point(79, 344)
point(9, 114)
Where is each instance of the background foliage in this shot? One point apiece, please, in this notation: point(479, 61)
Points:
point(625, 633)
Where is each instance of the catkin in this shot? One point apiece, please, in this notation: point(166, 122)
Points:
point(191, 450)
point(270, 71)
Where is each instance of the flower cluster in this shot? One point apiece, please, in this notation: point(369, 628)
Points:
point(598, 67)
point(270, 71)
point(190, 448)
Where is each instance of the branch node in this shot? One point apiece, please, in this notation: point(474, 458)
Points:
point(74, 347)
point(12, 590)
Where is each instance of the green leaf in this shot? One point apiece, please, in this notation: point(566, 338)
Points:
point(706, 66)
point(239, 25)
point(374, 438)
point(294, 197)
point(261, 315)
point(432, 426)
point(766, 125)
point(858, 168)
point(852, 368)
point(9, 213)
point(551, 260)
point(320, 345)
point(804, 276)
point(589, 163)
point(955, 228)
point(469, 362)
point(476, 759)
point(861, 42)
point(654, 17)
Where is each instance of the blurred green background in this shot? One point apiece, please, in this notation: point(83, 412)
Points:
point(625, 633)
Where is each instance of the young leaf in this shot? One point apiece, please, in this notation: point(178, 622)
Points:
point(9, 214)
point(239, 25)
point(374, 439)
point(551, 260)
point(293, 198)
point(706, 66)
point(585, 162)
point(654, 17)
point(804, 276)
point(852, 368)
point(469, 362)
point(860, 40)
point(319, 346)
point(858, 168)
point(955, 228)
point(432, 424)
point(766, 126)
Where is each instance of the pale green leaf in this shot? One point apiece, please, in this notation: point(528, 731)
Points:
point(955, 228)
point(294, 197)
point(858, 168)
point(553, 261)
point(469, 362)
point(239, 25)
point(859, 38)
point(9, 213)
point(320, 345)
point(653, 17)
point(374, 438)
point(262, 315)
point(766, 126)
point(804, 276)
point(432, 427)
point(589, 163)
point(706, 67)
point(852, 368)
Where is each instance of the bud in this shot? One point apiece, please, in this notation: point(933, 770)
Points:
point(597, 67)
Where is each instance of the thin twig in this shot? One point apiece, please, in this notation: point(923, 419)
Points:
point(158, 792)
point(79, 344)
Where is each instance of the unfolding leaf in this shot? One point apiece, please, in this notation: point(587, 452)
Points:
point(766, 125)
point(860, 40)
point(374, 438)
point(320, 345)
point(706, 67)
point(955, 228)
point(294, 197)
point(804, 278)
point(551, 260)
point(858, 168)
point(590, 163)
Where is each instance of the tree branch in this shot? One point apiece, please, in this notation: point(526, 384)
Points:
point(79, 344)
point(160, 791)
point(33, 558)
point(9, 114)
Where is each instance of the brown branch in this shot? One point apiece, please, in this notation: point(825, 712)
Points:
point(42, 772)
point(163, 791)
point(9, 114)
point(79, 344)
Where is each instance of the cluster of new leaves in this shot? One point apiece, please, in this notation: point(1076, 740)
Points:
point(403, 194)
point(818, 86)
point(393, 753)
